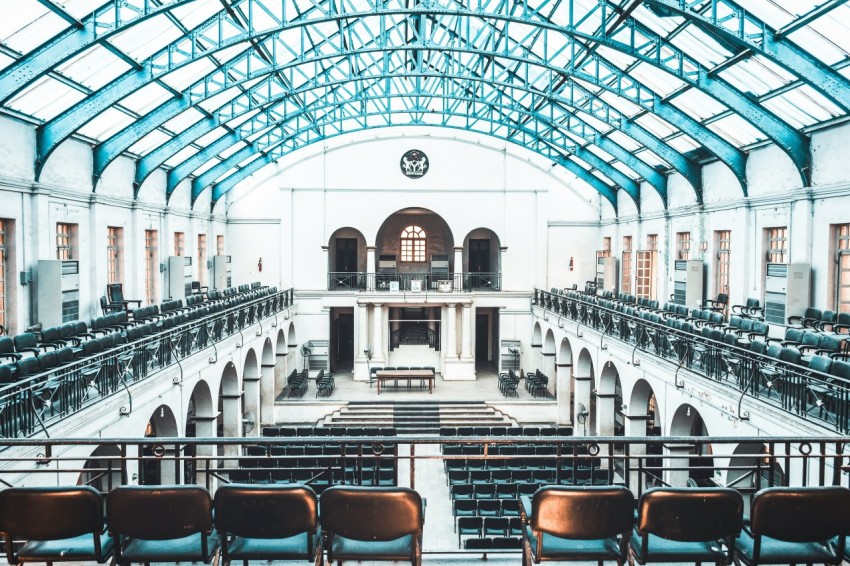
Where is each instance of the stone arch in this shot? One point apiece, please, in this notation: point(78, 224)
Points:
point(564, 382)
point(229, 408)
point(643, 411)
point(687, 421)
point(388, 238)
point(547, 365)
point(347, 266)
point(536, 344)
point(158, 465)
point(251, 376)
point(584, 401)
point(751, 467)
point(104, 469)
point(609, 402)
point(481, 260)
point(281, 369)
point(268, 377)
point(200, 422)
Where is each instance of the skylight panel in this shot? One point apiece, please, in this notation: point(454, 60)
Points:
point(683, 144)
point(659, 81)
point(27, 25)
point(652, 159)
point(227, 152)
point(625, 141)
point(656, 125)
point(146, 98)
point(193, 14)
point(830, 49)
point(213, 102)
point(183, 120)
point(182, 78)
point(622, 168)
point(802, 106)
point(206, 166)
point(210, 137)
point(148, 142)
point(46, 99)
point(181, 156)
point(94, 68)
point(701, 46)
point(106, 124)
point(698, 104)
point(5, 60)
point(146, 38)
point(624, 106)
point(737, 130)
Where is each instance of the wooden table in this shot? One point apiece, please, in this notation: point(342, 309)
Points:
point(406, 375)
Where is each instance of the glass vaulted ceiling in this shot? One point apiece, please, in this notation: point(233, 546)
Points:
point(620, 93)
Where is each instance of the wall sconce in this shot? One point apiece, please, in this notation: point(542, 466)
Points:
point(571, 264)
point(704, 246)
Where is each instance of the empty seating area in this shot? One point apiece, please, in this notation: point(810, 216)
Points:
point(805, 372)
point(317, 462)
point(55, 371)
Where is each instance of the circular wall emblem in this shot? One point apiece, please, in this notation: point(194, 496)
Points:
point(414, 163)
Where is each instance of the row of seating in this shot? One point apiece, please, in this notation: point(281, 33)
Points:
point(184, 524)
point(508, 383)
point(506, 431)
point(287, 431)
point(325, 384)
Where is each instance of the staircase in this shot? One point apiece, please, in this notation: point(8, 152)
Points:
point(416, 417)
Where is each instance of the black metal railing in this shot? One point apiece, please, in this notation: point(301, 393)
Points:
point(796, 389)
point(28, 405)
point(746, 464)
point(414, 282)
point(415, 335)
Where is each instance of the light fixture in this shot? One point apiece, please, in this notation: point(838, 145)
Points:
point(704, 246)
point(571, 264)
point(688, 414)
point(162, 411)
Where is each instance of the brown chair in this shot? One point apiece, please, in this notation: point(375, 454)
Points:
point(59, 524)
point(687, 525)
point(790, 525)
point(577, 524)
point(372, 523)
point(161, 524)
point(268, 522)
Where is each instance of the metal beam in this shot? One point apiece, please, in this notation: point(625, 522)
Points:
point(104, 22)
point(807, 18)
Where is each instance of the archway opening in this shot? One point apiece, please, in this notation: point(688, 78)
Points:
point(159, 465)
point(104, 469)
point(347, 259)
point(482, 260)
point(687, 421)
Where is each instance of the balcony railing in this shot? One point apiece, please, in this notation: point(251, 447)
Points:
point(29, 405)
point(795, 389)
point(414, 282)
point(746, 464)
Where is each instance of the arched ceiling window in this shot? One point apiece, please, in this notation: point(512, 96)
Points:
point(413, 244)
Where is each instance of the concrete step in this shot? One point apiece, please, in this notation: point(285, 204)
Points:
point(417, 418)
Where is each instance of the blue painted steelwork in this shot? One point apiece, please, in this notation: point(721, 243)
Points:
point(729, 21)
point(104, 22)
point(55, 131)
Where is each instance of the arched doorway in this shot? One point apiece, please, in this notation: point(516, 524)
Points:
point(229, 409)
point(641, 416)
point(609, 402)
point(268, 380)
point(251, 394)
point(104, 469)
point(347, 259)
point(482, 260)
point(564, 377)
point(200, 422)
point(687, 421)
point(585, 404)
point(537, 345)
point(159, 465)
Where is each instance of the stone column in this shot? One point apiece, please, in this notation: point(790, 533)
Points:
point(582, 396)
point(378, 334)
point(451, 336)
point(251, 401)
point(677, 456)
point(361, 362)
point(636, 426)
point(231, 412)
point(466, 332)
point(371, 266)
point(563, 393)
point(268, 382)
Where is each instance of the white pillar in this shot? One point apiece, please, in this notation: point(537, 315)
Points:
point(251, 402)
point(582, 396)
point(451, 335)
point(636, 426)
point(362, 330)
point(370, 268)
point(378, 334)
point(466, 332)
point(268, 383)
point(458, 279)
point(677, 456)
point(562, 393)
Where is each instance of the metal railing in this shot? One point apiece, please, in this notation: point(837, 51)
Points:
point(415, 336)
point(799, 390)
point(414, 282)
point(29, 405)
point(746, 464)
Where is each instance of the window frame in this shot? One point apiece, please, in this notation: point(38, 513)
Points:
point(179, 244)
point(151, 265)
point(683, 245)
point(114, 254)
point(66, 241)
point(413, 245)
point(776, 244)
point(202, 259)
point(626, 266)
point(722, 261)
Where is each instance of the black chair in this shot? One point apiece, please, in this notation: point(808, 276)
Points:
point(577, 523)
point(687, 525)
point(268, 522)
point(115, 293)
point(796, 525)
point(372, 523)
point(161, 524)
point(59, 524)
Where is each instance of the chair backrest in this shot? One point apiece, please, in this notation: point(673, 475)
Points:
point(690, 514)
point(371, 513)
point(583, 512)
point(159, 512)
point(115, 292)
point(820, 363)
point(266, 511)
point(801, 514)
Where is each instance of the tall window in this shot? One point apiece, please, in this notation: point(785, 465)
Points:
point(652, 242)
point(202, 259)
point(627, 265)
point(219, 245)
point(842, 287)
point(66, 239)
point(4, 225)
point(114, 243)
point(606, 246)
point(777, 245)
point(683, 245)
point(723, 245)
point(413, 244)
point(179, 244)
point(151, 265)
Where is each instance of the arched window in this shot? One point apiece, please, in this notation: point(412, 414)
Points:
point(413, 244)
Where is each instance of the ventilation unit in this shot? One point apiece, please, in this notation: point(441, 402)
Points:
point(786, 291)
point(689, 283)
point(179, 277)
point(221, 277)
point(57, 288)
point(439, 270)
point(606, 273)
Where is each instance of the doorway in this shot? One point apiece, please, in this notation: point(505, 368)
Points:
point(342, 339)
point(486, 338)
point(346, 255)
